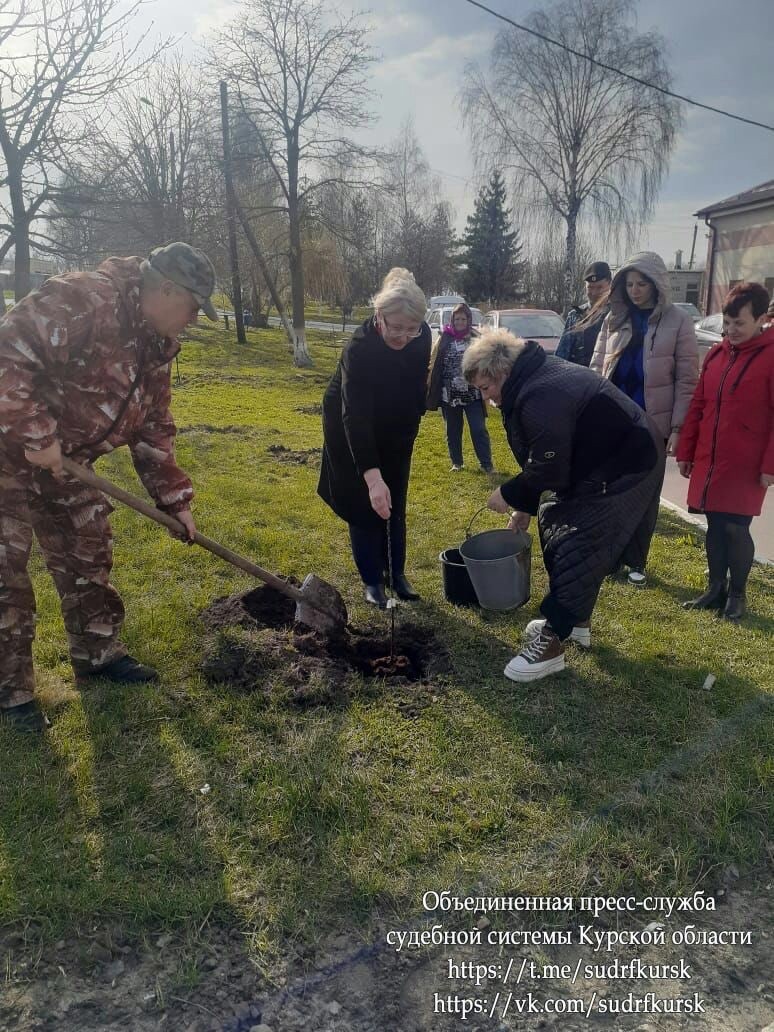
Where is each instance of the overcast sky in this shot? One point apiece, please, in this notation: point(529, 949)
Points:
point(721, 53)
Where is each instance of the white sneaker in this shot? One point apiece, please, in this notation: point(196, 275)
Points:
point(637, 578)
point(542, 656)
point(579, 635)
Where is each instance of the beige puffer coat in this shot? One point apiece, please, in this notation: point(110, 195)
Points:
point(670, 353)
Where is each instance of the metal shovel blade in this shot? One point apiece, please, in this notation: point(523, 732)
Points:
point(321, 607)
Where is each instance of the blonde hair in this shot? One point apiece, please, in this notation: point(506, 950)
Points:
point(400, 295)
point(491, 356)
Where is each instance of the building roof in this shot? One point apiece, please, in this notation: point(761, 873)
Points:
point(756, 195)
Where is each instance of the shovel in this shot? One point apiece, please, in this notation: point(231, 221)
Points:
point(318, 604)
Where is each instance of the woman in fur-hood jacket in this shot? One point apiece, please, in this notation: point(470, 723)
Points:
point(647, 348)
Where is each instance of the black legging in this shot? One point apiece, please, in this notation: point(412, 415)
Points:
point(730, 549)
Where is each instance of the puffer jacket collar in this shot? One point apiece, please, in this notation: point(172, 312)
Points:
point(651, 265)
point(528, 363)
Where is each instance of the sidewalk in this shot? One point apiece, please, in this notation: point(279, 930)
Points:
point(673, 495)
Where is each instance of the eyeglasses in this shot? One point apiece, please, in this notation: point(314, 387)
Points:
point(396, 331)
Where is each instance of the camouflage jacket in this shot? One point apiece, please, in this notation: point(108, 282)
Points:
point(79, 364)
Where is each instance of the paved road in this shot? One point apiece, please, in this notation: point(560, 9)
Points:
point(674, 494)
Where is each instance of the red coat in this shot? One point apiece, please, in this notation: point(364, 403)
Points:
point(728, 433)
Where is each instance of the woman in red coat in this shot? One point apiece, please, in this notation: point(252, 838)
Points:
point(726, 445)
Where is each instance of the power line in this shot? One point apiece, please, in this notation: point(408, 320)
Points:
point(617, 71)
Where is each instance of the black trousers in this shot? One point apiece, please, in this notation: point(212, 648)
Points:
point(370, 548)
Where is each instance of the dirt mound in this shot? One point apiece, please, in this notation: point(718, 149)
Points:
point(263, 606)
point(257, 647)
point(305, 457)
point(208, 428)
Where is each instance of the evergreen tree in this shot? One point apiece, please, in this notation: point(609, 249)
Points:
point(491, 249)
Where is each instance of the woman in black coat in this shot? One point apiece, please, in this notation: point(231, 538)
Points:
point(580, 438)
point(371, 414)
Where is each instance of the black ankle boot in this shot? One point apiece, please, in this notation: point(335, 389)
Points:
point(403, 589)
point(124, 670)
point(375, 595)
point(735, 606)
point(27, 717)
point(713, 598)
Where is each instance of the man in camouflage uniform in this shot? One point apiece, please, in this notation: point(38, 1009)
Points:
point(85, 368)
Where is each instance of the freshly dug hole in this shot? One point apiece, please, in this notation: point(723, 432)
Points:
point(268, 643)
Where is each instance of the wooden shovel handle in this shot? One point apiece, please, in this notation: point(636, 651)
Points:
point(87, 476)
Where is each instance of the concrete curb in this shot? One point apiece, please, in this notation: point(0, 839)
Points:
point(700, 522)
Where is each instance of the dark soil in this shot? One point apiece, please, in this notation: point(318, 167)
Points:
point(200, 379)
point(262, 606)
point(256, 646)
point(306, 457)
point(310, 410)
point(208, 428)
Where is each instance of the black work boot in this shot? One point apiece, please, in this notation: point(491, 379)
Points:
point(403, 589)
point(713, 598)
point(124, 670)
point(27, 717)
point(735, 606)
point(375, 595)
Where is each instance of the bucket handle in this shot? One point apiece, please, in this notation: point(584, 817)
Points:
point(475, 516)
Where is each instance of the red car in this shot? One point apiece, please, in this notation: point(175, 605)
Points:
point(540, 324)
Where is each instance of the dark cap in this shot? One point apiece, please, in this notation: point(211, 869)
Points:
point(597, 271)
point(189, 268)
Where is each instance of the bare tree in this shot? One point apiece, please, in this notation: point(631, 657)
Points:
point(300, 69)
point(150, 177)
point(544, 283)
point(420, 230)
point(60, 61)
point(580, 142)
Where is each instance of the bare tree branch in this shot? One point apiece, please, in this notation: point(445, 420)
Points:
point(582, 144)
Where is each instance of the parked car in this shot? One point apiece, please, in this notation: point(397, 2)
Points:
point(709, 331)
point(540, 324)
point(439, 317)
point(692, 310)
point(441, 300)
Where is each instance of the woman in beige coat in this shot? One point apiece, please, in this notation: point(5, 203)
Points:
point(647, 348)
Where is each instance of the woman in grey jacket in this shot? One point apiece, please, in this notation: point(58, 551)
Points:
point(647, 348)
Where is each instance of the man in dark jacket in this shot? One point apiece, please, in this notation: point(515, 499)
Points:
point(577, 342)
point(578, 437)
point(85, 368)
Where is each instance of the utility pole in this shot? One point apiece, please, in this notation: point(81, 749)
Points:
point(693, 245)
point(230, 215)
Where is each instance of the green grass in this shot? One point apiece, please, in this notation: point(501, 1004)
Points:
point(314, 311)
point(318, 819)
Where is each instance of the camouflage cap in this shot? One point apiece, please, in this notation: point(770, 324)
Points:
point(189, 268)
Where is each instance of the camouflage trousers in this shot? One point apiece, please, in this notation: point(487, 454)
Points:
point(70, 522)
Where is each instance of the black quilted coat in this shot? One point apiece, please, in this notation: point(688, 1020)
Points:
point(595, 452)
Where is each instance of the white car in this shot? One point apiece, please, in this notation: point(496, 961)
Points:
point(439, 300)
point(441, 316)
point(689, 309)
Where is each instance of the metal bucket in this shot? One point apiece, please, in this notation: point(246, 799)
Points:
point(457, 585)
point(499, 563)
